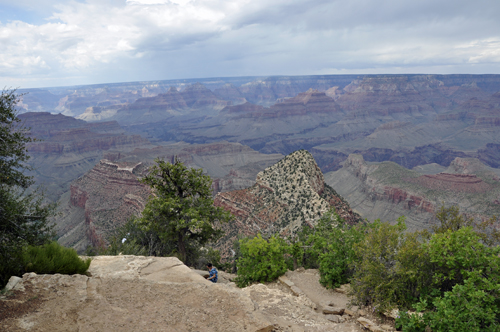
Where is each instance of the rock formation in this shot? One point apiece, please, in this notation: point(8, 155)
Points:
point(194, 97)
point(107, 197)
point(286, 197)
point(110, 193)
point(387, 191)
point(66, 148)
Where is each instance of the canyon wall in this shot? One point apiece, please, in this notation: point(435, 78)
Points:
point(387, 191)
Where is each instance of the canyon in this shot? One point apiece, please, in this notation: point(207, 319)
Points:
point(109, 194)
point(235, 128)
point(387, 190)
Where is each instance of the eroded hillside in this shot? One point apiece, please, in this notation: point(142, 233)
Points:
point(286, 197)
point(386, 190)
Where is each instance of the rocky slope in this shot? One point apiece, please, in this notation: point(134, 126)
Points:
point(286, 197)
point(110, 193)
point(386, 190)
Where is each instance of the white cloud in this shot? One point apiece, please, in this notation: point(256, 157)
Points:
point(116, 40)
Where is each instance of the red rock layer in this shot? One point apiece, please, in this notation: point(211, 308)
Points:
point(110, 194)
point(452, 182)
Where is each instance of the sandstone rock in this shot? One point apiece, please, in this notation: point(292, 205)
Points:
point(368, 324)
point(284, 280)
point(386, 327)
point(15, 283)
point(333, 311)
point(343, 289)
point(127, 293)
point(296, 290)
point(328, 304)
point(361, 312)
point(349, 312)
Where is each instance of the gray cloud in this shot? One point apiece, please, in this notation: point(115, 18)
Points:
point(97, 41)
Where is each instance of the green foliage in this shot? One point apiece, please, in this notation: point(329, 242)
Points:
point(13, 139)
point(467, 284)
point(53, 258)
point(181, 210)
point(23, 219)
point(452, 277)
point(261, 260)
point(330, 245)
point(451, 219)
point(376, 278)
point(129, 239)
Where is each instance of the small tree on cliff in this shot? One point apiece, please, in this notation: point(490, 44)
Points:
point(180, 209)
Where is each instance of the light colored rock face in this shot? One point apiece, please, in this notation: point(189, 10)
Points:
point(127, 293)
point(134, 293)
point(129, 267)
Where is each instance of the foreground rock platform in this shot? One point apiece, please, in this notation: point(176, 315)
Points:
point(136, 293)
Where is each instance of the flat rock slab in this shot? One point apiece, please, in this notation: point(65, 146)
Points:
point(129, 267)
point(333, 311)
point(136, 294)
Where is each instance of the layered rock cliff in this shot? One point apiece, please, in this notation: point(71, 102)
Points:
point(66, 148)
point(286, 197)
point(387, 191)
point(107, 197)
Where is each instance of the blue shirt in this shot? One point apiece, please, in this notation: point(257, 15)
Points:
point(213, 272)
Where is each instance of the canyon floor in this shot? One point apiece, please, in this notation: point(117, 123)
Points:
point(131, 293)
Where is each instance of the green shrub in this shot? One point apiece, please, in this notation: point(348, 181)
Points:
point(330, 245)
point(261, 260)
point(53, 258)
point(391, 268)
point(466, 285)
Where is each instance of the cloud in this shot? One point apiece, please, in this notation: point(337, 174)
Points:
point(93, 41)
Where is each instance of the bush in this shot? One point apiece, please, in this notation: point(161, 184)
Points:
point(466, 285)
point(53, 258)
point(330, 245)
point(261, 260)
point(391, 268)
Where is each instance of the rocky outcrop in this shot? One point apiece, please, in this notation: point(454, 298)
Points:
point(110, 193)
point(286, 197)
point(387, 191)
point(130, 293)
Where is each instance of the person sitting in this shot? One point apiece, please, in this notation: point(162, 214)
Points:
point(213, 273)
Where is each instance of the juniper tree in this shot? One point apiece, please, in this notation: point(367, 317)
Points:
point(180, 209)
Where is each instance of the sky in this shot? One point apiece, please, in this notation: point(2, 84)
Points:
point(46, 43)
